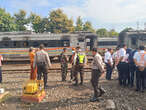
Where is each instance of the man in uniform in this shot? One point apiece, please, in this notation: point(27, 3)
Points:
point(64, 64)
point(109, 63)
point(140, 61)
point(42, 62)
point(122, 65)
point(97, 71)
point(79, 62)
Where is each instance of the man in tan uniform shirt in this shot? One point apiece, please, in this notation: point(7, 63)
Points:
point(97, 71)
point(42, 62)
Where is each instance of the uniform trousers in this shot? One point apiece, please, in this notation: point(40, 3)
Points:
point(132, 69)
point(64, 67)
point(109, 70)
point(95, 81)
point(79, 69)
point(140, 79)
point(42, 70)
point(123, 73)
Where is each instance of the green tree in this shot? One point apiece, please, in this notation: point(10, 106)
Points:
point(88, 27)
point(127, 29)
point(37, 23)
point(79, 24)
point(59, 22)
point(6, 21)
point(20, 20)
point(102, 32)
point(113, 33)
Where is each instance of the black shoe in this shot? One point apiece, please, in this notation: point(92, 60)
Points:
point(81, 83)
point(94, 99)
point(137, 90)
point(46, 86)
point(102, 91)
point(142, 90)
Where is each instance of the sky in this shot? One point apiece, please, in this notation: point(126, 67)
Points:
point(109, 14)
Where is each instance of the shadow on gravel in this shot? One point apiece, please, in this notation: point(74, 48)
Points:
point(60, 104)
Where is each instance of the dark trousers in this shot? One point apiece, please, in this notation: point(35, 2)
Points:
point(0, 74)
point(140, 79)
point(95, 81)
point(64, 68)
point(132, 69)
point(42, 69)
point(79, 69)
point(123, 74)
point(109, 70)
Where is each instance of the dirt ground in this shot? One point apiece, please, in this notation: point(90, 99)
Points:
point(65, 96)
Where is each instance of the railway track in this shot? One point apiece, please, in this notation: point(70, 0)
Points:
point(52, 69)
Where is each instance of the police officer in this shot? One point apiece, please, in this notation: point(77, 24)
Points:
point(140, 61)
point(109, 63)
point(79, 62)
point(42, 62)
point(64, 64)
point(97, 71)
point(122, 65)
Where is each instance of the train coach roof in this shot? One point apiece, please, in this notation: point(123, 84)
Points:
point(43, 36)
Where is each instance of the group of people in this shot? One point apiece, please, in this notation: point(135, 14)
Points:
point(130, 64)
point(40, 62)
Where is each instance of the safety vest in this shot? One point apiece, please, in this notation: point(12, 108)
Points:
point(80, 58)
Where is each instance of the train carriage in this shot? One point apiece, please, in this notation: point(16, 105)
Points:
point(15, 44)
point(133, 38)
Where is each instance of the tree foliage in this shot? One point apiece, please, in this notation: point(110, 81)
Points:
point(79, 24)
point(20, 20)
point(102, 32)
point(59, 22)
point(88, 27)
point(113, 33)
point(56, 22)
point(6, 21)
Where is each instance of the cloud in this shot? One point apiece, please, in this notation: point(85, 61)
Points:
point(110, 11)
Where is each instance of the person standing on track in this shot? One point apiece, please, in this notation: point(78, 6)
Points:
point(1, 59)
point(140, 61)
point(42, 62)
point(97, 71)
point(64, 64)
point(109, 63)
point(122, 65)
point(33, 73)
point(79, 62)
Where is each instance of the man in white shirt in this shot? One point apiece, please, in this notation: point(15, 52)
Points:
point(109, 63)
point(122, 65)
point(140, 62)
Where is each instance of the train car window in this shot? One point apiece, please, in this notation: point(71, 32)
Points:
point(133, 41)
point(66, 43)
point(103, 43)
point(16, 44)
point(25, 44)
point(36, 44)
point(81, 40)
